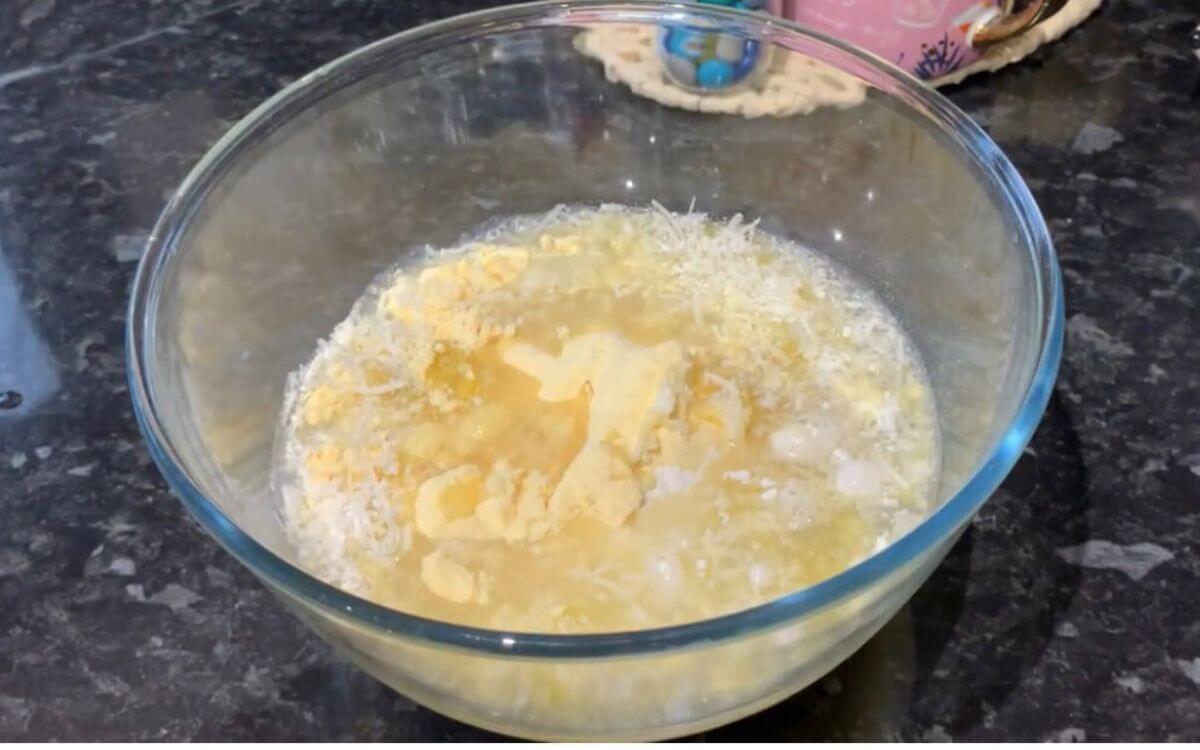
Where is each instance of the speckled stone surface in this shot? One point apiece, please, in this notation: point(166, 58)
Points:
point(1070, 610)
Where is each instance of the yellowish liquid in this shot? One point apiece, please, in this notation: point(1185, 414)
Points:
point(794, 435)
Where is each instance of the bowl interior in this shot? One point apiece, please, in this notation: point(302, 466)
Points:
point(422, 138)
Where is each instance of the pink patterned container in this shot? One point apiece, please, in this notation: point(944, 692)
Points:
point(928, 38)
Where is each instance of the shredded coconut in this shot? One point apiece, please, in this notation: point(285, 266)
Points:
point(588, 421)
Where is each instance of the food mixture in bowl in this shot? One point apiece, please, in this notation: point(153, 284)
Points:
point(605, 419)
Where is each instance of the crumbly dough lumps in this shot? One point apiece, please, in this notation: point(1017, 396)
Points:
point(606, 419)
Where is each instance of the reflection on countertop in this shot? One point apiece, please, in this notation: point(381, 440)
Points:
point(1067, 611)
point(28, 375)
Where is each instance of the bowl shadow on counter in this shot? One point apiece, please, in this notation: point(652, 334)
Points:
point(966, 640)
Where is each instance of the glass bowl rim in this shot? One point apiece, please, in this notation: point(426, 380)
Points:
point(951, 515)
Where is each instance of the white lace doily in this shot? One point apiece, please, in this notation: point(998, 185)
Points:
point(793, 84)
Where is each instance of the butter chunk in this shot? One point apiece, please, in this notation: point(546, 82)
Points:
point(491, 267)
point(508, 504)
point(443, 286)
point(514, 505)
point(561, 378)
point(597, 484)
point(465, 327)
point(633, 388)
point(448, 578)
point(445, 297)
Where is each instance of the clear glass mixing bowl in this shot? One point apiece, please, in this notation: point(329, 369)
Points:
point(422, 137)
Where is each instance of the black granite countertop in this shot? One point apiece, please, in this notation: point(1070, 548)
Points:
point(1070, 609)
